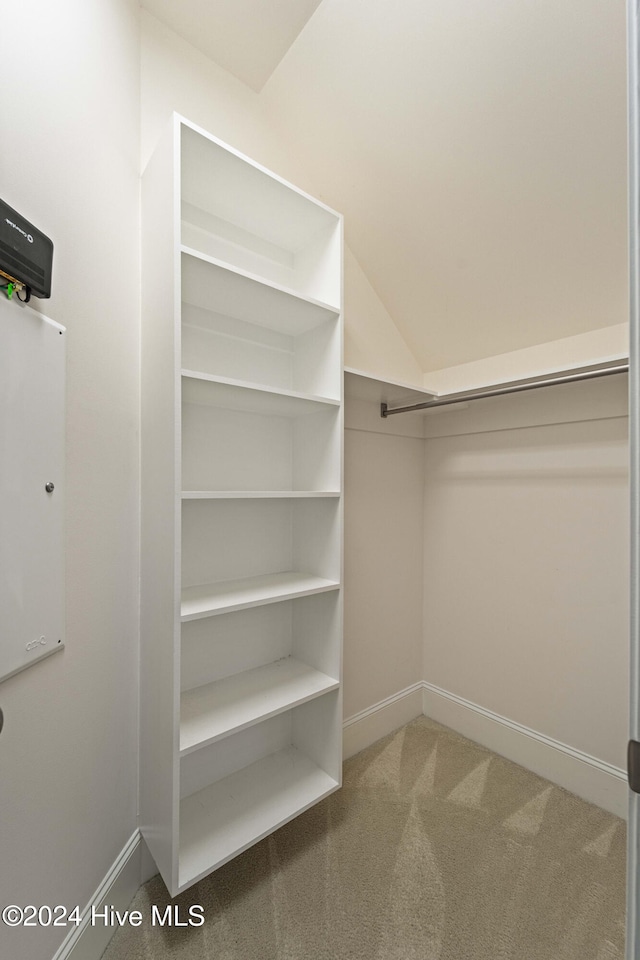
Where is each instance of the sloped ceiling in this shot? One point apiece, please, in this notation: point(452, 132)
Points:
point(246, 37)
point(478, 152)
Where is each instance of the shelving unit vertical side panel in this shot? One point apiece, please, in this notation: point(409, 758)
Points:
point(319, 538)
point(160, 518)
point(340, 696)
point(317, 732)
point(319, 264)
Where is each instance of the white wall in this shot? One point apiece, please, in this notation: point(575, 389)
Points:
point(526, 561)
point(384, 483)
point(371, 339)
point(69, 163)
point(526, 518)
point(176, 76)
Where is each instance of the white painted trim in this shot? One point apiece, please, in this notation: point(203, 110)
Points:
point(594, 780)
point(87, 942)
point(588, 777)
point(364, 728)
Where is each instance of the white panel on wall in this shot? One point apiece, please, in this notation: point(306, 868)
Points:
point(32, 393)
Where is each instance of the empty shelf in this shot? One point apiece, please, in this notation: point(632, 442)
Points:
point(226, 706)
point(209, 599)
point(225, 818)
point(209, 390)
point(245, 296)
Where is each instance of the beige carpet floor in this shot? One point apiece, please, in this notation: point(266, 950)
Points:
point(435, 849)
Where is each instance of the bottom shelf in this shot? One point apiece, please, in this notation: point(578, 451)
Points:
point(232, 814)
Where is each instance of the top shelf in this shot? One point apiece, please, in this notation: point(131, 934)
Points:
point(224, 182)
point(240, 213)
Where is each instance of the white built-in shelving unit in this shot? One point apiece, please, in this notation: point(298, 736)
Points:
point(241, 713)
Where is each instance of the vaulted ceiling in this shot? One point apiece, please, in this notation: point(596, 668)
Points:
point(477, 150)
point(246, 37)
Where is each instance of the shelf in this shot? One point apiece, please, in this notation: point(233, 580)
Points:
point(224, 183)
point(245, 296)
point(207, 600)
point(306, 628)
point(236, 541)
point(297, 448)
point(257, 494)
point(224, 346)
point(229, 816)
point(360, 385)
point(243, 215)
point(227, 706)
point(227, 394)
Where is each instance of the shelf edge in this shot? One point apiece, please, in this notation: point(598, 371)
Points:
point(245, 605)
point(245, 725)
point(255, 278)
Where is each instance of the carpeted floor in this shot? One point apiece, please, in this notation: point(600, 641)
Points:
point(435, 849)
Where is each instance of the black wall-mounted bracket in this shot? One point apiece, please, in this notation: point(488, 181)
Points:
point(633, 765)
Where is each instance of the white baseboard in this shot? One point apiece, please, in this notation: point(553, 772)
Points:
point(586, 776)
point(87, 942)
point(594, 780)
point(364, 728)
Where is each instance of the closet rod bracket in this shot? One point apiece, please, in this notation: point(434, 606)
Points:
point(633, 765)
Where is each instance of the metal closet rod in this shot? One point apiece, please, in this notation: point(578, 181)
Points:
point(515, 386)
